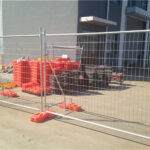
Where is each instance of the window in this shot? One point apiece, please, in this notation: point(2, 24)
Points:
point(118, 2)
point(111, 43)
point(144, 4)
point(90, 49)
point(131, 3)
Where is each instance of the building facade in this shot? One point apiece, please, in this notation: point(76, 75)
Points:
point(26, 17)
point(116, 15)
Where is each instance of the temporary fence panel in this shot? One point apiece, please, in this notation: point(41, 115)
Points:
point(20, 72)
point(101, 79)
point(109, 79)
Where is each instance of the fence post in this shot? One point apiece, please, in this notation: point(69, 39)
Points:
point(45, 55)
point(41, 68)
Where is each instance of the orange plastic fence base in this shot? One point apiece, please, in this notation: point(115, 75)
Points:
point(34, 88)
point(71, 106)
point(41, 116)
point(9, 93)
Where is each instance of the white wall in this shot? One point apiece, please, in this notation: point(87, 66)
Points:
point(1, 33)
point(26, 17)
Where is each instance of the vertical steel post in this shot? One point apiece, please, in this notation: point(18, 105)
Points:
point(41, 68)
point(45, 47)
point(53, 52)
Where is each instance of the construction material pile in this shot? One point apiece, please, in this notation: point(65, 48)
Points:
point(68, 81)
point(27, 73)
point(34, 88)
point(6, 68)
point(98, 76)
point(66, 76)
point(62, 76)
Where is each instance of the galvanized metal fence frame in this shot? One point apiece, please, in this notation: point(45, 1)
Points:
point(43, 42)
point(99, 33)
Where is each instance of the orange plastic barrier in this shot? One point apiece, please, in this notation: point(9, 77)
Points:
point(65, 63)
point(9, 93)
point(34, 71)
point(75, 65)
point(48, 72)
point(8, 85)
point(41, 116)
point(47, 58)
point(57, 64)
point(34, 89)
point(19, 72)
point(29, 84)
point(62, 59)
point(58, 70)
point(71, 106)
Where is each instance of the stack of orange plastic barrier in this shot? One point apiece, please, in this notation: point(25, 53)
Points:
point(34, 88)
point(20, 70)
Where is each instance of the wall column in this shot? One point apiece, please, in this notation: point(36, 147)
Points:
point(122, 28)
point(146, 37)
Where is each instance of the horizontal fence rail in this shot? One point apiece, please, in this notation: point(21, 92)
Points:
point(99, 33)
point(73, 34)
